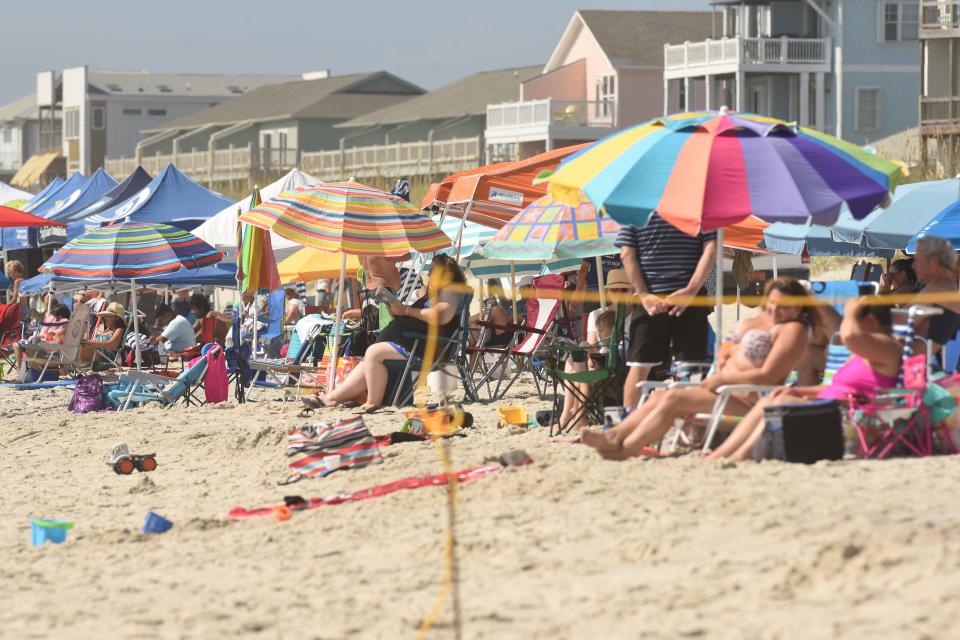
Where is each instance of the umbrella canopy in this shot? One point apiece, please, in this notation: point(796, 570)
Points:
point(784, 237)
point(256, 266)
point(222, 274)
point(945, 224)
point(552, 229)
point(349, 217)
point(15, 218)
point(704, 171)
point(913, 206)
point(310, 264)
point(130, 250)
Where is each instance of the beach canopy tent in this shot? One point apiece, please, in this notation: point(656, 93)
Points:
point(95, 186)
point(57, 196)
point(56, 191)
point(43, 194)
point(11, 194)
point(222, 274)
point(220, 230)
point(117, 194)
point(170, 198)
point(493, 194)
point(912, 207)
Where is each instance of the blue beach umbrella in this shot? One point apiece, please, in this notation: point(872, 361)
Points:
point(945, 224)
point(913, 206)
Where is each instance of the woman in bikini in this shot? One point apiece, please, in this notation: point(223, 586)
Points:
point(765, 350)
point(867, 330)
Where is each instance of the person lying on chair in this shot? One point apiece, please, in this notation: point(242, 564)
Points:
point(867, 331)
point(393, 343)
point(764, 352)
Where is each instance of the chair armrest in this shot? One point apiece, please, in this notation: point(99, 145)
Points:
point(747, 388)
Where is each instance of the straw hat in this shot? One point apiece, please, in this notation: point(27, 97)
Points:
point(617, 279)
point(114, 309)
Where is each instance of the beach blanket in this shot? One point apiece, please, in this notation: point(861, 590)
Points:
point(377, 491)
point(30, 386)
point(322, 448)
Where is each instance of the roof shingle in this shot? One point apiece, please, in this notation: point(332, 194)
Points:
point(636, 38)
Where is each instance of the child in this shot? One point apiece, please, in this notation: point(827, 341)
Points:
point(591, 357)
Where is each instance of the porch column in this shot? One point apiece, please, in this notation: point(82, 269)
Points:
point(666, 96)
point(708, 92)
point(805, 99)
point(687, 94)
point(821, 106)
point(740, 91)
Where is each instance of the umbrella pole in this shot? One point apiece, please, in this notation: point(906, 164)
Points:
point(463, 223)
point(256, 321)
point(513, 289)
point(331, 372)
point(136, 323)
point(773, 259)
point(601, 283)
point(719, 337)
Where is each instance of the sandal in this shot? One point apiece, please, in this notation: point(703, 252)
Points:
point(306, 412)
point(368, 408)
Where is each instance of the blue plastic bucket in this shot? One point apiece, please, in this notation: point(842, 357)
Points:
point(155, 523)
point(44, 530)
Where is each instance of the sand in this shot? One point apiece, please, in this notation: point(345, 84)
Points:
point(569, 547)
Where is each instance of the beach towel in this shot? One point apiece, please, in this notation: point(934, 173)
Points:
point(322, 448)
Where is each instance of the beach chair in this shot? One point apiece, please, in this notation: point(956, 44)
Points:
point(603, 380)
point(139, 388)
point(450, 354)
point(45, 356)
point(284, 371)
point(11, 331)
point(208, 334)
point(529, 340)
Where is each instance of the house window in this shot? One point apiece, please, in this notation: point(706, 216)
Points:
point(605, 95)
point(156, 112)
point(7, 135)
point(71, 123)
point(900, 21)
point(98, 117)
point(132, 112)
point(868, 109)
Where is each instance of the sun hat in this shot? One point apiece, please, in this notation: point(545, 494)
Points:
point(617, 279)
point(114, 309)
point(525, 281)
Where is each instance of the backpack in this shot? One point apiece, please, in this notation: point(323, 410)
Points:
point(87, 395)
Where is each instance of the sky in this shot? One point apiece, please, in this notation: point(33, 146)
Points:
point(429, 42)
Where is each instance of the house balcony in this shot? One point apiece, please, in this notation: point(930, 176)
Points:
point(549, 120)
point(940, 116)
point(740, 54)
point(939, 19)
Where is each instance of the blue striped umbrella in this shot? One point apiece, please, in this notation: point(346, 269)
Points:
point(130, 250)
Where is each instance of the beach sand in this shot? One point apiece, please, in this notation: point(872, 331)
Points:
point(568, 547)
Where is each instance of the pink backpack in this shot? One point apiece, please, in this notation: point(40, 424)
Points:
point(215, 386)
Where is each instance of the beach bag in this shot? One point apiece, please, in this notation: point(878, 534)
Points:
point(88, 395)
point(215, 386)
point(322, 448)
point(804, 432)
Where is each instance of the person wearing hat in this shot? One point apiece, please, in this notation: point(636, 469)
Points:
point(107, 337)
point(588, 282)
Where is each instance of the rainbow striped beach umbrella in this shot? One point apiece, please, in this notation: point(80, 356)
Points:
point(704, 171)
point(349, 217)
point(549, 229)
point(130, 250)
point(256, 264)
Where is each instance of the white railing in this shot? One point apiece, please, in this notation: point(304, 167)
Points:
point(228, 164)
point(940, 14)
point(574, 113)
point(402, 158)
point(747, 51)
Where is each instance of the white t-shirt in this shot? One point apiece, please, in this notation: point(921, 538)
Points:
point(179, 335)
point(592, 322)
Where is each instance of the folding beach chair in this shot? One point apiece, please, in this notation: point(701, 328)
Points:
point(208, 334)
point(284, 371)
point(139, 388)
point(603, 380)
point(450, 354)
point(46, 356)
point(11, 331)
point(529, 340)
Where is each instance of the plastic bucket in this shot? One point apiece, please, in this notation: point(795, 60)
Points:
point(43, 530)
point(512, 415)
point(155, 523)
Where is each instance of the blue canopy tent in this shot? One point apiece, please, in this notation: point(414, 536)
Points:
point(215, 275)
point(15, 238)
point(170, 198)
point(135, 182)
point(97, 185)
point(44, 194)
point(913, 206)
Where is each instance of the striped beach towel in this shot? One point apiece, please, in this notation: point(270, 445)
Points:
point(322, 448)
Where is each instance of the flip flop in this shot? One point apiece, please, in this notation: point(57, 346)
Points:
point(367, 408)
point(306, 412)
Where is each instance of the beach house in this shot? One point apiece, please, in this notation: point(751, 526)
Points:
point(18, 135)
point(268, 130)
point(605, 73)
point(850, 68)
point(104, 112)
point(940, 87)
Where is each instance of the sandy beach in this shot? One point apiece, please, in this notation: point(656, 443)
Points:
point(568, 547)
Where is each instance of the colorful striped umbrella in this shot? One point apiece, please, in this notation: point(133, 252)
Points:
point(704, 171)
point(549, 229)
point(256, 264)
point(130, 250)
point(349, 217)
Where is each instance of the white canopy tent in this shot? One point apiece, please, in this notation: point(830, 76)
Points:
point(9, 194)
point(221, 229)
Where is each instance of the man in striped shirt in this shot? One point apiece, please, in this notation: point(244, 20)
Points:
point(666, 267)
